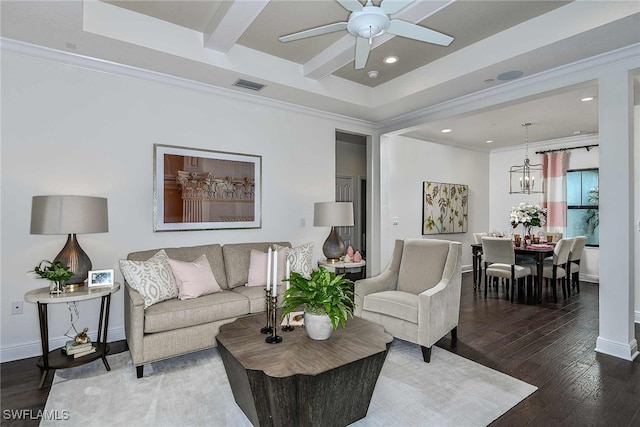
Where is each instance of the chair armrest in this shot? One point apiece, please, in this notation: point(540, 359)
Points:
point(385, 281)
point(134, 323)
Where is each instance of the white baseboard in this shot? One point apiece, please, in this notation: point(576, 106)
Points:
point(637, 319)
point(592, 278)
point(467, 268)
point(23, 351)
point(626, 351)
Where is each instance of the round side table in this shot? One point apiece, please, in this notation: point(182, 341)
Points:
point(56, 359)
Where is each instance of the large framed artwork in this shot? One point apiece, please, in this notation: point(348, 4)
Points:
point(444, 208)
point(196, 189)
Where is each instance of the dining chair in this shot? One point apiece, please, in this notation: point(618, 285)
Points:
point(478, 237)
point(574, 261)
point(557, 268)
point(555, 236)
point(500, 261)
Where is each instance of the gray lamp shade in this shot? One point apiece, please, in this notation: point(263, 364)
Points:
point(330, 214)
point(69, 215)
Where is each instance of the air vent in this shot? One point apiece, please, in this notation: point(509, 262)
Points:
point(246, 84)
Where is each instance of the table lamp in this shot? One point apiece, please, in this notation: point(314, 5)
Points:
point(70, 215)
point(333, 214)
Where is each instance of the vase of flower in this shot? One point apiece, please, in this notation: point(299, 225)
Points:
point(529, 216)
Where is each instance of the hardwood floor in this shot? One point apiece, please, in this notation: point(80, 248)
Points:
point(548, 345)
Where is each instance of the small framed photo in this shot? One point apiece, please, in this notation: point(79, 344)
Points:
point(100, 278)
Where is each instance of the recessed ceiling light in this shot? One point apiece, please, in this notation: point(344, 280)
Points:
point(488, 80)
point(577, 132)
point(372, 74)
point(445, 130)
point(587, 99)
point(390, 60)
point(489, 141)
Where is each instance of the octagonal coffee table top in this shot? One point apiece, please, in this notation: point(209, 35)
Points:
point(297, 353)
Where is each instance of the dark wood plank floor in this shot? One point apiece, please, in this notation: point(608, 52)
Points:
point(548, 345)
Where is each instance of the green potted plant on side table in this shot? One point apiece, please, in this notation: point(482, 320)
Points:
point(326, 298)
point(56, 272)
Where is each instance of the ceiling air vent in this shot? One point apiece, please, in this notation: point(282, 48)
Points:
point(246, 84)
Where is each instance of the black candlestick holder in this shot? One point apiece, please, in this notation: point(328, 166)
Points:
point(288, 327)
point(268, 328)
point(274, 338)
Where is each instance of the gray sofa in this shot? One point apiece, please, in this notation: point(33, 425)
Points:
point(174, 327)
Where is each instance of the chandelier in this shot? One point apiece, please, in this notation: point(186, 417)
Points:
point(522, 178)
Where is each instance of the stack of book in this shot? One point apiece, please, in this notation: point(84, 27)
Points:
point(76, 350)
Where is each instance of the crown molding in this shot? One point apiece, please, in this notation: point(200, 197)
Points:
point(114, 68)
point(566, 75)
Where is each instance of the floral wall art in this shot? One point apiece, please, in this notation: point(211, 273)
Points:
point(445, 208)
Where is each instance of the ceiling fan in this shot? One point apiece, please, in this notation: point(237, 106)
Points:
point(369, 21)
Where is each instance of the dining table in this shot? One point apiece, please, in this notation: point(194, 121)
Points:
point(536, 251)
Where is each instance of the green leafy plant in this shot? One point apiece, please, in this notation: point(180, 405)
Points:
point(323, 293)
point(593, 215)
point(54, 271)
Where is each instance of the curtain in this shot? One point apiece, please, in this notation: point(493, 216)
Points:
point(555, 190)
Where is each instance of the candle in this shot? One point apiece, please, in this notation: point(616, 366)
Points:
point(268, 268)
point(287, 272)
point(275, 273)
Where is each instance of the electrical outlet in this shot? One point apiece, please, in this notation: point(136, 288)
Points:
point(16, 307)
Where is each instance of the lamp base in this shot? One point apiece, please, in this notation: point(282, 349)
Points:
point(77, 260)
point(333, 247)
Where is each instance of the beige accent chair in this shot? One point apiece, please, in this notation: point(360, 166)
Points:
point(557, 269)
point(500, 261)
point(574, 260)
point(417, 298)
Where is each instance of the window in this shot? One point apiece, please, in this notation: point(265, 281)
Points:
point(583, 215)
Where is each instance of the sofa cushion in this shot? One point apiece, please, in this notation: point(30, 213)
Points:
point(300, 259)
point(153, 279)
point(422, 264)
point(194, 278)
point(402, 305)
point(237, 260)
point(258, 262)
point(212, 252)
point(176, 314)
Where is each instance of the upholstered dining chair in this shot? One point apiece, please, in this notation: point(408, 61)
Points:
point(555, 236)
point(478, 237)
point(557, 268)
point(574, 261)
point(500, 261)
point(417, 297)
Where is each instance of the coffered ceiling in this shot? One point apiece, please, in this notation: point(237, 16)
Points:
point(218, 42)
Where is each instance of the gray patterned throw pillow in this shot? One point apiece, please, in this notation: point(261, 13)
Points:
point(153, 279)
point(300, 258)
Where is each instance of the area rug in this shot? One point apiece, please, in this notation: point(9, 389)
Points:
point(193, 390)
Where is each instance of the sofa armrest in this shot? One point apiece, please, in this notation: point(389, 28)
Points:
point(134, 323)
point(439, 306)
point(385, 281)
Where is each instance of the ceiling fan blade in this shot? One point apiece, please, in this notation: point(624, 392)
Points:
point(362, 52)
point(351, 5)
point(416, 32)
point(338, 26)
point(394, 6)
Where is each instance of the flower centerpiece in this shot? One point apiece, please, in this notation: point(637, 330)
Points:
point(529, 216)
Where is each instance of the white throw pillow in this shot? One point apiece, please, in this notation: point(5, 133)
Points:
point(153, 279)
point(300, 259)
point(194, 278)
point(258, 267)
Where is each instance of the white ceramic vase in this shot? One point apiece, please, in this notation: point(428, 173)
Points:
point(318, 326)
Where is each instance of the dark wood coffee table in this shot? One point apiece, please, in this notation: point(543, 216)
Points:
point(301, 381)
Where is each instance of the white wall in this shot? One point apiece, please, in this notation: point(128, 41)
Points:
point(70, 130)
point(405, 164)
point(636, 189)
point(502, 201)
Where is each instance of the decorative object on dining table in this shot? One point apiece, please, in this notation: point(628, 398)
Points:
point(517, 240)
point(326, 298)
point(57, 274)
point(522, 177)
point(444, 208)
point(529, 216)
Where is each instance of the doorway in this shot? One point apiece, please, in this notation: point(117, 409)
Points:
point(351, 179)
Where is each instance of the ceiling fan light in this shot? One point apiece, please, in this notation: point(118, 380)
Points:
point(368, 22)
